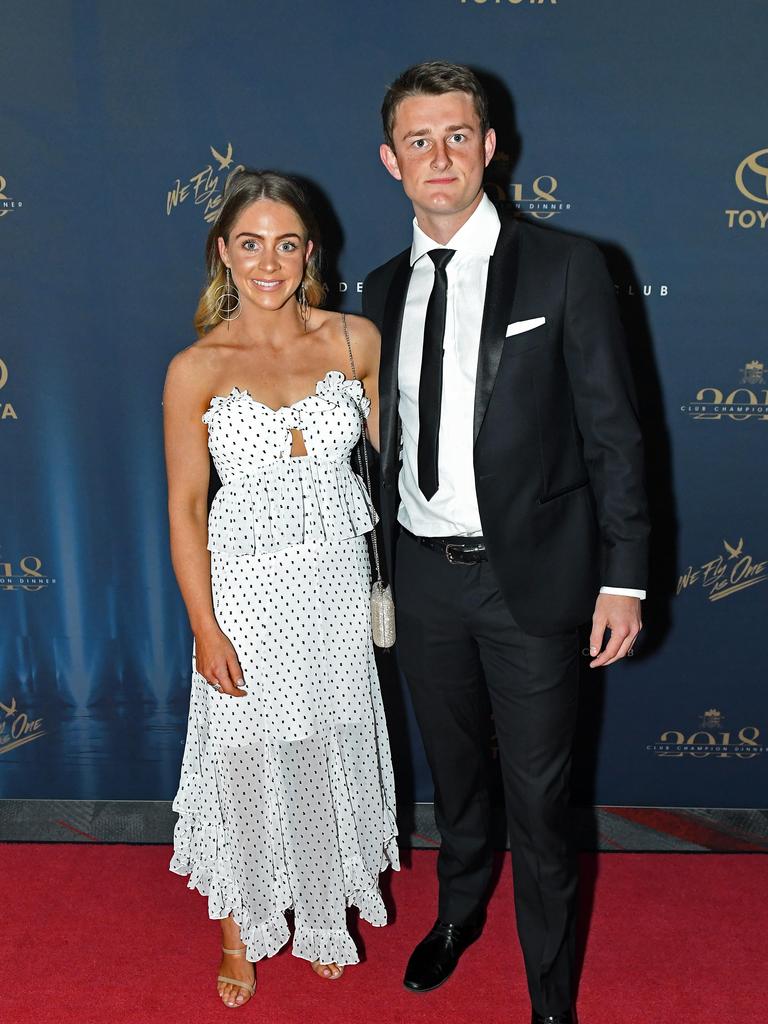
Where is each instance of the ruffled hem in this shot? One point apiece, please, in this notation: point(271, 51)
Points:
point(288, 502)
point(201, 852)
point(390, 856)
point(264, 938)
point(362, 891)
point(325, 945)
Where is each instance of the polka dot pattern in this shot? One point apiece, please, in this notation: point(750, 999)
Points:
point(269, 500)
point(286, 797)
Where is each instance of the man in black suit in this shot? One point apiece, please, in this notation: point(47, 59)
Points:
point(512, 511)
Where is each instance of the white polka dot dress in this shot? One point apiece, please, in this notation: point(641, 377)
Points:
point(286, 799)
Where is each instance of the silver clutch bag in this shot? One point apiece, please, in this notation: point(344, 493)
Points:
point(382, 615)
point(382, 604)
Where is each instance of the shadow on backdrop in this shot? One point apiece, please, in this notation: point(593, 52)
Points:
point(500, 185)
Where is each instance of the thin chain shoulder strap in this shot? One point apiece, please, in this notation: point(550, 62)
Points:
point(362, 459)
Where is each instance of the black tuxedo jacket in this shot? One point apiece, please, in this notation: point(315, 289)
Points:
point(557, 446)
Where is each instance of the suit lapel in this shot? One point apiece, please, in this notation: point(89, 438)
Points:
point(497, 313)
point(391, 327)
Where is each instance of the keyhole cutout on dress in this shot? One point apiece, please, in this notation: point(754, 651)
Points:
point(298, 448)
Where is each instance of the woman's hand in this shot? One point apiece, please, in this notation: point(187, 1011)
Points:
point(216, 661)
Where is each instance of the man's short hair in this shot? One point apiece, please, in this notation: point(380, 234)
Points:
point(433, 78)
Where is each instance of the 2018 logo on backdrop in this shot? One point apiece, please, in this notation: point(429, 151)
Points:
point(725, 574)
point(205, 187)
point(7, 205)
point(541, 202)
point(747, 402)
point(710, 739)
point(7, 412)
point(537, 197)
point(17, 728)
point(751, 179)
point(28, 577)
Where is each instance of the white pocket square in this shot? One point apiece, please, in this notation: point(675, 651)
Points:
point(525, 325)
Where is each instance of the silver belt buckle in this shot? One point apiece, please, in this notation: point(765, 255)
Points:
point(449, 554)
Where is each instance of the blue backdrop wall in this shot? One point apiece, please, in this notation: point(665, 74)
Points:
point(640, 125)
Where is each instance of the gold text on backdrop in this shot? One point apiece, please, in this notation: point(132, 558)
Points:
point(7, 205)
point(536, 197)
point(725, 574)
point(752, 181)
point(747, 402)
point(543, 203)
point(27, 578)
point(16, 727)
point(204, 187)
point(7, 411)
point(711, 740)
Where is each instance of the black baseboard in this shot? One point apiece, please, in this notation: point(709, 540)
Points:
point(617, 829)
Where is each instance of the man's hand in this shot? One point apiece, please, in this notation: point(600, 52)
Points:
point(621, 615)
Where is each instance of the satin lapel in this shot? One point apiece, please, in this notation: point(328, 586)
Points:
point(390, 350)
point(497, 313)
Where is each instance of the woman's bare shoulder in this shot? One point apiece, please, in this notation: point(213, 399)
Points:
point(359, 327)
point(363, 330)
point(191, 368)
point(366, 343)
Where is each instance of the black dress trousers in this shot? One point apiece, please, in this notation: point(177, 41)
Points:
point(463, 657)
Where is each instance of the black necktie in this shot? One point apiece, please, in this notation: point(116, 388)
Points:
point(431, 381)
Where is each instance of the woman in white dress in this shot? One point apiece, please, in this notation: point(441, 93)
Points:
point(286, 798)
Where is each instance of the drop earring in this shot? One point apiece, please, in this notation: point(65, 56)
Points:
point(304, 311)
point(227, 300)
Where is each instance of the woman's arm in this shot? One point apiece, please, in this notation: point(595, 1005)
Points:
point(188, 470)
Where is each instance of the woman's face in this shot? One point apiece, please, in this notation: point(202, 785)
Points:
point(266, 253)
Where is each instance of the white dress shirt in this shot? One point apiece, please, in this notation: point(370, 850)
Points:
point(453, 510)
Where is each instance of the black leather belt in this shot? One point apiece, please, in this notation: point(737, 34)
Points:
point(457, 550)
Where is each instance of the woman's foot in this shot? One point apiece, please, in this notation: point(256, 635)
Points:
point(329, 971)
point(234, 967)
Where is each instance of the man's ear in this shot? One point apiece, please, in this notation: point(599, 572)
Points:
point(389, 160)
point(489, 145)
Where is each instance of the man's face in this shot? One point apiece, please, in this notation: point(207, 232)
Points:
point(440, 153)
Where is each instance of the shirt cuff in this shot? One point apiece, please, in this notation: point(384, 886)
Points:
point(623, 592)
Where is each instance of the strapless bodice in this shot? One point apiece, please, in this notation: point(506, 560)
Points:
point(270, 499)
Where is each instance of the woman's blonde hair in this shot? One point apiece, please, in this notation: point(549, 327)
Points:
point(243, 188)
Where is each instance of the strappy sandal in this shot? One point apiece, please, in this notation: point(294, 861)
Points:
point(250, 989)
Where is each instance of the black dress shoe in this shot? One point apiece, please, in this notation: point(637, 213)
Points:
point(435, 958)
point(557, 1018)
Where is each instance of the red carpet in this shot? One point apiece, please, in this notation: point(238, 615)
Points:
point(104, 935)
